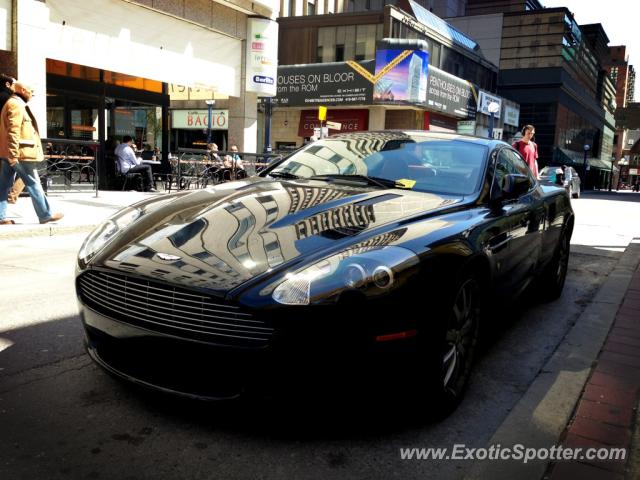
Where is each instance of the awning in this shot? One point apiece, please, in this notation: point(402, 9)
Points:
point(576, 159)
point(126, 38)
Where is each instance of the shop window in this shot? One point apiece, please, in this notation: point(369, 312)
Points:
point(55, 121)
point(128, 81)
point(66, 69)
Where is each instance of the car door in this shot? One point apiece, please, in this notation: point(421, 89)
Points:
point(525, 218)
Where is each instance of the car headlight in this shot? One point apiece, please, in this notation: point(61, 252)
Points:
point(106, 231)
point(110, 228)
point(369, 270)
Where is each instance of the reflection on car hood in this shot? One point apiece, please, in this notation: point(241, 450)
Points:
point(219, 238)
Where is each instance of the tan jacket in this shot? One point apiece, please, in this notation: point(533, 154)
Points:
point(19, 138)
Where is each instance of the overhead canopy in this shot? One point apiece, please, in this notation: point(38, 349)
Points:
point(133, 40)
point(576, 159)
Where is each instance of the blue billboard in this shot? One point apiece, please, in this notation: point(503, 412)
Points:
point(401, 76)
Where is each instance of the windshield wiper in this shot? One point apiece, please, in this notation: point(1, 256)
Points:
point(375, 181)
point(282, 174)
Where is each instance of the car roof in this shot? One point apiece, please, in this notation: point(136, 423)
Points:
point(416, 134)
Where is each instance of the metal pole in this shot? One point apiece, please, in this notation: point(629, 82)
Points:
point(268, 110)
point(585, 172)
point(613, 159)
point(210, 105)
point(491, 125)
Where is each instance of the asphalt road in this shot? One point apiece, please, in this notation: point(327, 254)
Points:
point(63, 417)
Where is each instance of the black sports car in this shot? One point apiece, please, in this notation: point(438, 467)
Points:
point(364, 258)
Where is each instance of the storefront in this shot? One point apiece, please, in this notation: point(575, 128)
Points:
point(85, 103)
point(106, 77)
point(190, 128)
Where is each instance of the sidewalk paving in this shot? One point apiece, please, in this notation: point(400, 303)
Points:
point(82, 212)
point(606, 415)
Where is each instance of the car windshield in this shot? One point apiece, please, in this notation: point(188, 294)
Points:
point(448, 166)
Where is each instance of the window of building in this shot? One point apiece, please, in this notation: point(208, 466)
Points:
point(311, 8)
point(351, 42)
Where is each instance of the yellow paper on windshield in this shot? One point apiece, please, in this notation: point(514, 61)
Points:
point(405, 183)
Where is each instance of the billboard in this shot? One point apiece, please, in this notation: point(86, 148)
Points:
point(451, 95)
point(401, 76)
point(262, 56)
point(337, 83)
point(511, 115)
point(485, 99)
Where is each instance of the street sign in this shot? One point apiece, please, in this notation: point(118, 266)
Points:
point(334, 125)
point(322, 113)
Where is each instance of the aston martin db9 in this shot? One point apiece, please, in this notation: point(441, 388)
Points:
point(369, 257)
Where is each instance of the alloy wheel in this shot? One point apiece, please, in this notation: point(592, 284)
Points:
point(461, 336)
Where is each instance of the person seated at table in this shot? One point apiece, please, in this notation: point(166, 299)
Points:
point(129, 163)
point(232, 168)
point(212, 154)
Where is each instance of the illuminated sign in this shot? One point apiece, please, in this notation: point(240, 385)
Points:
point(262, 56)
point(199, 119)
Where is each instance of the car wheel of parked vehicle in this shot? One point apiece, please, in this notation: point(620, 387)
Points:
point(452, 349)
point(552, 280)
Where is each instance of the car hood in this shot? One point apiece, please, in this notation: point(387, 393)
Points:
point(219, 238)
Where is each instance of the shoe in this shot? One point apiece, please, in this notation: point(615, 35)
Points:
point(153, 190)
point(53, 218)
point(7, 221)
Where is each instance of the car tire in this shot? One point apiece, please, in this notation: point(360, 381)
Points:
point(451, 345)
point(551, 282)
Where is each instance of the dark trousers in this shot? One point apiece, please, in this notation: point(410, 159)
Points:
point(147, 174)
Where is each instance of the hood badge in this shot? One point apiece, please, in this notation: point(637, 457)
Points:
point(168, 257)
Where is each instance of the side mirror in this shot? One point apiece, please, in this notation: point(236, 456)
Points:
point(512, 186)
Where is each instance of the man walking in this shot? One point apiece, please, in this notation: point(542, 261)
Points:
point(528, 148)
point(128, 162)
point(6, 90)
point(20, 152)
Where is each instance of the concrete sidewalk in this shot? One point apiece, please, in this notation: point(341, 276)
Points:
point(587, 393)
point(82, 212)
point(606, 415)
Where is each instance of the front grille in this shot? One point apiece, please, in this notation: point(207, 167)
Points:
point(171, 310)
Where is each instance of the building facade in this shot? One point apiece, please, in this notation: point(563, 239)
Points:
point(108, 69)
point(460, 77)
point(548, 66)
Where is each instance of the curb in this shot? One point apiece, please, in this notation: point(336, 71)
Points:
point(46, 232)
point(542, 414)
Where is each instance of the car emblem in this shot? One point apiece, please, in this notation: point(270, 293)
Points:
point(167, 256)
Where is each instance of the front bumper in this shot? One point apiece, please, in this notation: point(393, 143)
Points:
point(315, 352)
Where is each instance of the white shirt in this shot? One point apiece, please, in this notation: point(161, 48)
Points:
point(567, 174)
point(126, 157)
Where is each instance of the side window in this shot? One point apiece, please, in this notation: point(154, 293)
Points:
point(503, 167)
point(520, 165)
point(509, 162)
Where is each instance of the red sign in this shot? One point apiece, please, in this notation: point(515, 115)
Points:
point(352, 121)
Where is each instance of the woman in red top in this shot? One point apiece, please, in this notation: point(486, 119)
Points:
point(528, 148)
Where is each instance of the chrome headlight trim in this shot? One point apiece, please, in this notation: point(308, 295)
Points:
point(369, 270)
